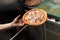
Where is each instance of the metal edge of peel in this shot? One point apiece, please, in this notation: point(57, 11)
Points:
point(18, 32)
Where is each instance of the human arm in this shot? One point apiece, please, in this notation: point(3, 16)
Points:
point(15, 23)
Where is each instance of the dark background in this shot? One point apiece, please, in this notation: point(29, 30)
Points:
point(9, 11)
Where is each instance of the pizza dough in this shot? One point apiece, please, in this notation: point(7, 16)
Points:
point(32, 2)
point(34, 17)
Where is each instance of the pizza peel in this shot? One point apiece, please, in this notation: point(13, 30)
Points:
point(25, 26)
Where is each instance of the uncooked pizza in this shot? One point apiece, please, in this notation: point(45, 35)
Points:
point(35, 17)
point(32, 2)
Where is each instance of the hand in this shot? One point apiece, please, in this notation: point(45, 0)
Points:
point(17, 22)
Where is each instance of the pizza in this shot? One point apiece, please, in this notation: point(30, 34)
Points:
point(34, 17)
point(32, 2)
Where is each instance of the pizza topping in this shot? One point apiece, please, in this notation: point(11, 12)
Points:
point(33, 16)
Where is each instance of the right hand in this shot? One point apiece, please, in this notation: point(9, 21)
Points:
point(17, 22)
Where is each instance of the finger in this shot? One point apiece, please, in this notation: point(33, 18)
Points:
point(16, 18)
point(21, 24)
point(18, 25)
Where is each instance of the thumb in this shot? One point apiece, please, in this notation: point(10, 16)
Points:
point(16, 18)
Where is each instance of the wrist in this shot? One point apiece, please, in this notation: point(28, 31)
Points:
point(12, 24)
